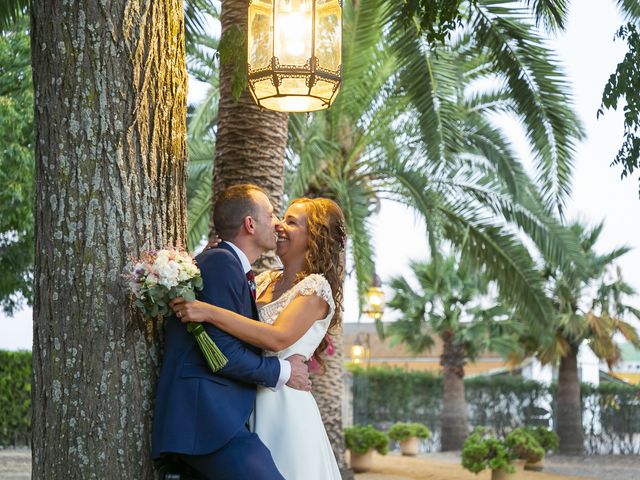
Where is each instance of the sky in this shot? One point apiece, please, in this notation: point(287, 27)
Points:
point(589, 55)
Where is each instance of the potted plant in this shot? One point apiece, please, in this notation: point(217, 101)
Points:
point(548, 440)
point(408, 434)
point(362, 441)
point(524, 448)
point(481, 451)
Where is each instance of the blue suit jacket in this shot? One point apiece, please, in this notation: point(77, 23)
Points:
point(196, 411)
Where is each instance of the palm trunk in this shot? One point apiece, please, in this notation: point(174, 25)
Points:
point(569, 407)
point(250, 142)
point(454, 408)
point(328, 391)
point(110, 118)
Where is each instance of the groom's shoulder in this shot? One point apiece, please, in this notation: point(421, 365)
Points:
point(219, 259)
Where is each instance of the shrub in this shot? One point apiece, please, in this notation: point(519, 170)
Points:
point(481, 451)
point(360, 439)
point(524, 445)
point(548, 440)
point(15, 398)
point(403, 431)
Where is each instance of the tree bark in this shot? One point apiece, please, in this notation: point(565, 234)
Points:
point(454, 407)
point(110, 118)
point(327, 390)
point(251, 142)
point(569, 406)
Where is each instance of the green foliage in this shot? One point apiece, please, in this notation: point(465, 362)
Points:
point(579, 314)
point(360, 439)
point(15, 398)
point(524, 445)
point(16, 168)
point(403, 431)
point(233, 52)
point(11, 11)
point(448, 297)
point(414, 126)
point(481, 451)
point(384, 396)
point(624, 86)
point(548, 439)
point(436, 19)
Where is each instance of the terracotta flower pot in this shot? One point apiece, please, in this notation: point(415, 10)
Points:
point(409, 447)
point(500, 474)
point(536, 467)
point(362, 462)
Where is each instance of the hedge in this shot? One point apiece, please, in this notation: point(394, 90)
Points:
point(15, 398)
point(383, 396)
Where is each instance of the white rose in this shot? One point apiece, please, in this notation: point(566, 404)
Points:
point(168, 274)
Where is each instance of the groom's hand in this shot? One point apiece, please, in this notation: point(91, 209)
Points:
point(299, 378)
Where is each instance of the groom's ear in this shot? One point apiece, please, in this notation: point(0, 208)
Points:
point(249, 224)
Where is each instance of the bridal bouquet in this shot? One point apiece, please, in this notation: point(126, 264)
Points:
point(158, 277)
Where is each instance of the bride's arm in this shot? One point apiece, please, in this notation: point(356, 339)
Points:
point(290, 325)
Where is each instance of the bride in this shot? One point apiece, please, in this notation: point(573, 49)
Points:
point(296, 308)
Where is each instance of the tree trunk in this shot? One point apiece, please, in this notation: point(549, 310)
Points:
point(110, 118)
point(327, 390)
point(454, 407)
point(569, 406)
point(250, 142)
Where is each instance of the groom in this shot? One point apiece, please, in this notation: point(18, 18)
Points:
point(201, 417)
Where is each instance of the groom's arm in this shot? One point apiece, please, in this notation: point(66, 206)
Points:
point(223, 287)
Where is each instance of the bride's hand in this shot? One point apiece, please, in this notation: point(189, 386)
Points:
point(195, 311)
point(213, 243)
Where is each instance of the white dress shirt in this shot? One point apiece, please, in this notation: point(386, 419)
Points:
point(285, 366)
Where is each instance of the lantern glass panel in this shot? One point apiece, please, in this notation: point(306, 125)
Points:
point(293, 31)
point(264, 88)
point(323, 89)
point(294, 86)
point(293, 104)
point(260, 36)
point(328, 35)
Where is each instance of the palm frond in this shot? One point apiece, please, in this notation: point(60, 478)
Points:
point(550, 13)
point(630, 9)
point(540, 91)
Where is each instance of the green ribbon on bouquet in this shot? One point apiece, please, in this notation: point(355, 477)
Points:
point(215, 358)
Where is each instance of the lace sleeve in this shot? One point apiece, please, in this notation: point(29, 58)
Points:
point(316, 284)
point(263, 279)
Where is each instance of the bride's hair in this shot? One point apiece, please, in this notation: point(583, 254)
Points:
point(327, 241)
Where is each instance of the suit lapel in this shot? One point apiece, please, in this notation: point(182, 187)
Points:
point(254, 307)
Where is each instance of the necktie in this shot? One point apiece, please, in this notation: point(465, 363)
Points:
point(251, 278)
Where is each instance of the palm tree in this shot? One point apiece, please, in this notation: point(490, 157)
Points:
point(250, 142)
point(447, 304)
point(404, 127)
point(415, 127)
point(582, 317)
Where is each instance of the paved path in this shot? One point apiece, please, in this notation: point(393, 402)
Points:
point(436, 467)
point(15, 464)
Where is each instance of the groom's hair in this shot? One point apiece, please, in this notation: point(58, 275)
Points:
point(232, 206)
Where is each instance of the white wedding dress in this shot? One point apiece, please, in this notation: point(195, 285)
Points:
point(288, 421)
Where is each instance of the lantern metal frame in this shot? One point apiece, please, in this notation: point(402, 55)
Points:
point(311, 71)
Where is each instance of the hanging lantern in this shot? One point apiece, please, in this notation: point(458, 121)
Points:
point(360, 350)
point(294, 53)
